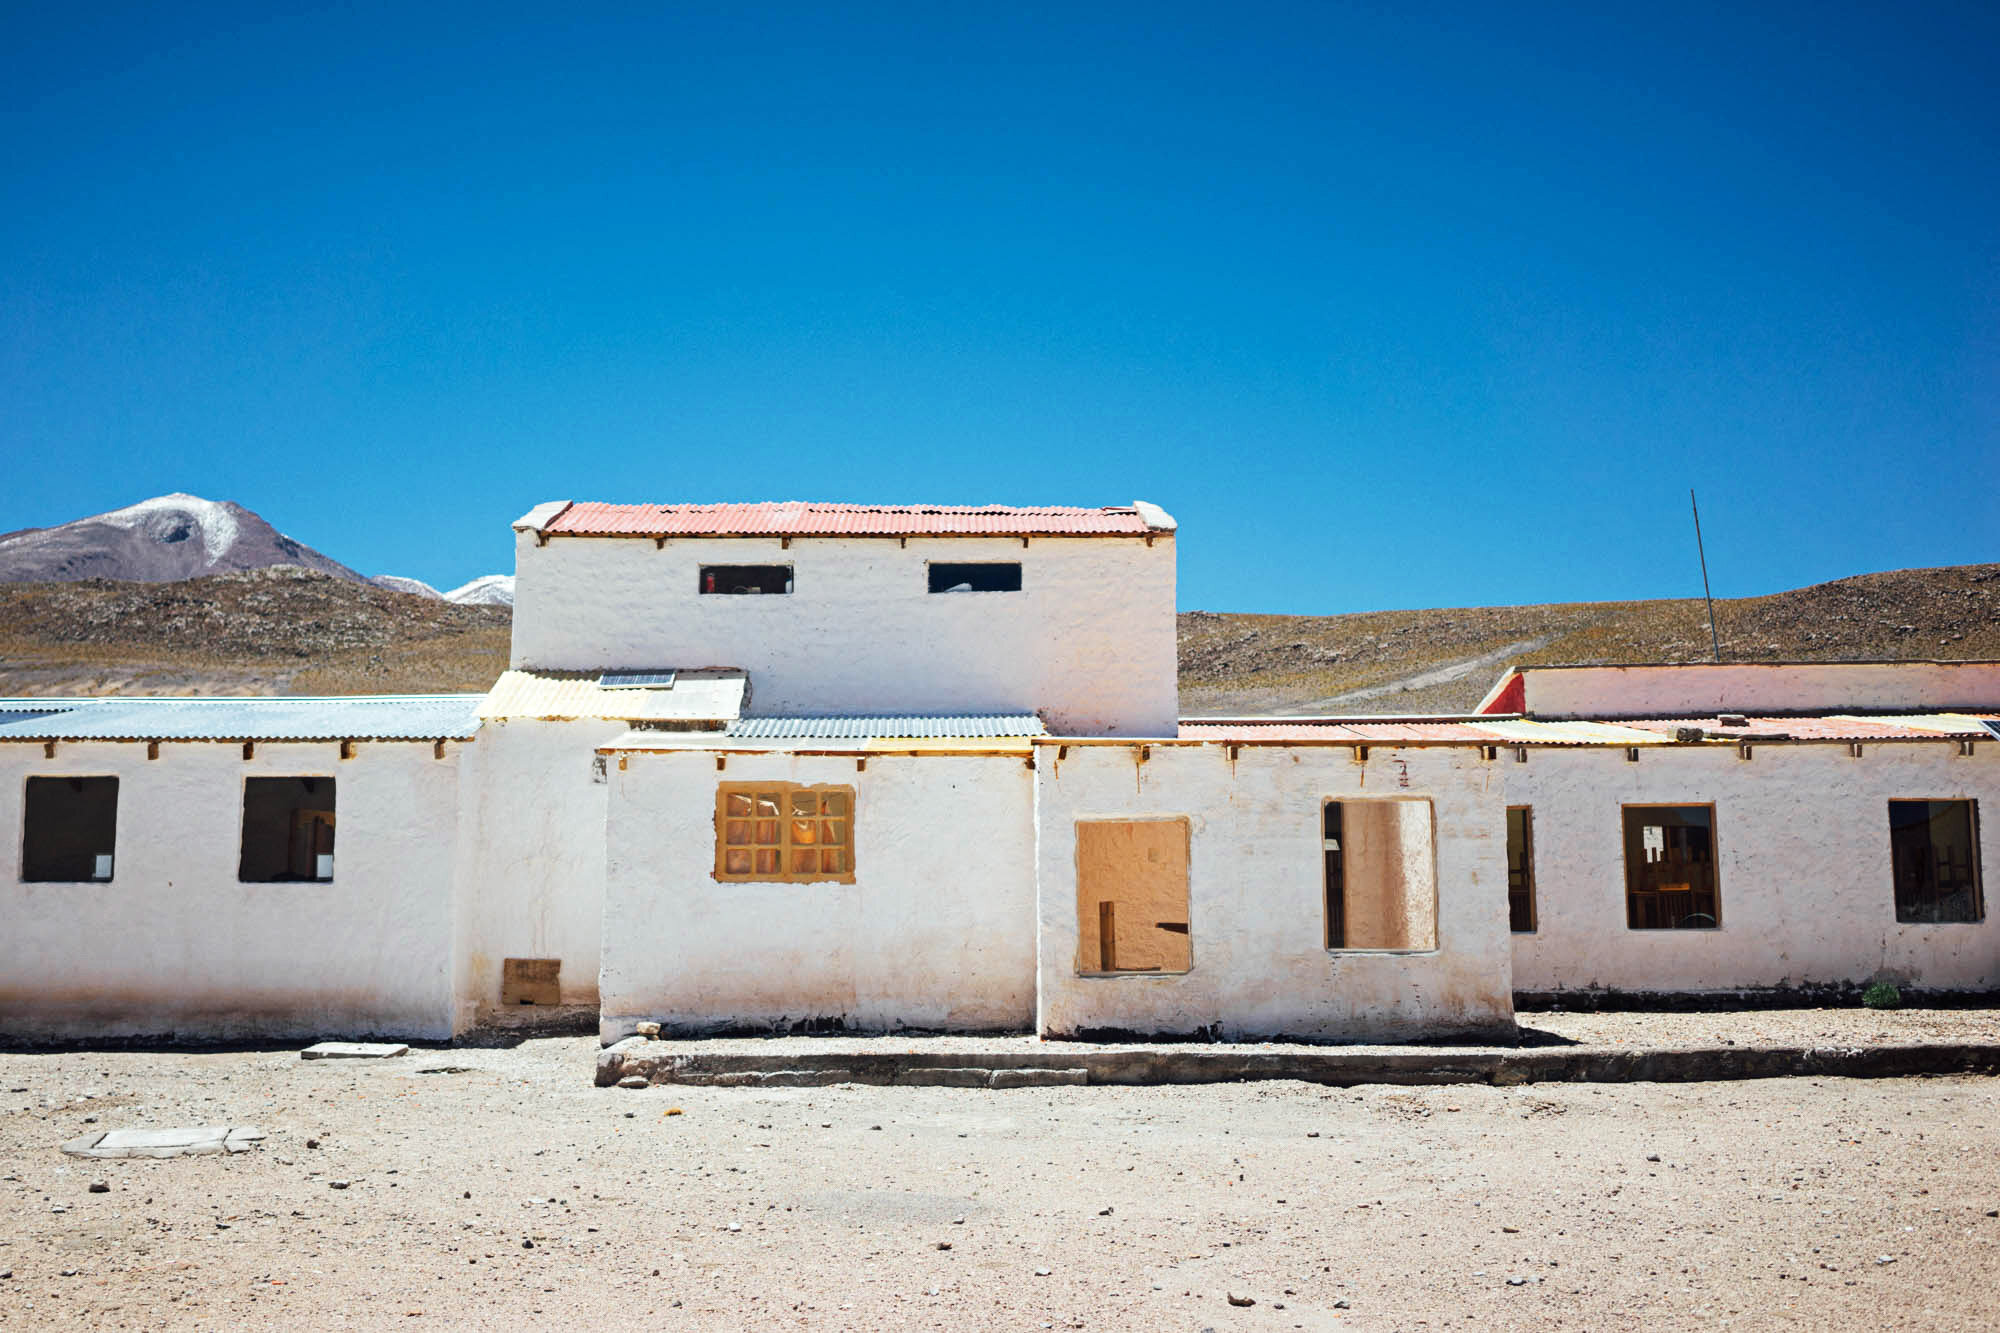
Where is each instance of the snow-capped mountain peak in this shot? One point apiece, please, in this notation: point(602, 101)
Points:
point(176, 517)
point(160, 540)
point(486, 590)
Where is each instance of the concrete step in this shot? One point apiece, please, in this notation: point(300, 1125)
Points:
point(660, 1062)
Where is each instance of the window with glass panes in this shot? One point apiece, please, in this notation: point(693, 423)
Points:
point(781, 832)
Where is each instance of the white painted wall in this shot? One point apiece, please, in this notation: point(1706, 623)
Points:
point(1699, 689)
point(1257, 896)
point(174, 945)
point(935, 932)
point(1802, 850)
point(1088, 641)
point(534, 856)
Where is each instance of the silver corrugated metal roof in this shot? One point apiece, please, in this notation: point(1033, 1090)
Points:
point(914, 726)
point(359, 717)
point(705, 695)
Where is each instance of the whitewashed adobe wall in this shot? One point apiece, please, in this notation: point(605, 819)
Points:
point(173, 945)
point(936, 931)
point(1699, 688)
point(533, 856)
point(1802, 851)
point(1088, 641)
point(1257, 896)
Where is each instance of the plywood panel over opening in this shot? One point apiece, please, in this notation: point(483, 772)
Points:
point(1381, 875)
point(530, 981)
point(1132, 896)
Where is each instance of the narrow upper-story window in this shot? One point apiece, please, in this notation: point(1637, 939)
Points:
point(70, 830)
point(746, 580)
point(989, 576)
point(287, 830)
point(1934, 849)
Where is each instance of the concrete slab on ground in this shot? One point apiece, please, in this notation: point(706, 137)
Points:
point(197, 1141)
point(1598, 1048)
point(354, 1050)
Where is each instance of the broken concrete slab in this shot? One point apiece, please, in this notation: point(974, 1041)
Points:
point(198, 1141)
point(1038, 1078)
point(354, 1050)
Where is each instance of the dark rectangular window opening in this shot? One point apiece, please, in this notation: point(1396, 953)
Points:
point(1670, 878)
point(69, 830)
point(994, 576)
point(746, 580)
point(1336, 881)
point(1934, 849)
point(287, 831)
point(1520, 870)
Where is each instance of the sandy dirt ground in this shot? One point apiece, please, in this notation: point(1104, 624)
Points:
point(496, 1188)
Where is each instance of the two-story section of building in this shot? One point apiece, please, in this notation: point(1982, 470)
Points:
point(1067, 613)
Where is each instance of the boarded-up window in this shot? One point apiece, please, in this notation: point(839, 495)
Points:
point(1520, 870)
point(287, 830)
point(1380, 866)
point(1670, 878)
point(531, 981)
point(1132, 896)
point(1934, 848)
point(69, 830)
point(780, 832)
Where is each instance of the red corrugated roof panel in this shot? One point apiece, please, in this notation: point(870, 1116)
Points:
point(1821, 728)
point(794, 518)
point(1346, 731)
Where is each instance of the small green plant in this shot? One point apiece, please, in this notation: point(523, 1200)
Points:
point(1882, 995)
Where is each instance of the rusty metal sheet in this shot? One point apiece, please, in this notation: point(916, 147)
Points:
point(795, 518)
point(1832, 727)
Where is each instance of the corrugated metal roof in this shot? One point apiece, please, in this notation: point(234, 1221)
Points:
point(359, 717)
point(798, 518)
point(1832, 727)
point(695, 696)
point(1624, 732)
point(982, 726)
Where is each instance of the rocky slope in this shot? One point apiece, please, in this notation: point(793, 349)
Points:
point(1443, 660)
point(277, 630)
point(294, 630)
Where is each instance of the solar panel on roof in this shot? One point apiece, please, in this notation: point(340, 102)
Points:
point(1993, 725)
point(636, 680)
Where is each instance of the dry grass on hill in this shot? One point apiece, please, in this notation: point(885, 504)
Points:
point(292, 631)
point(270, 631)
point(1444, 660)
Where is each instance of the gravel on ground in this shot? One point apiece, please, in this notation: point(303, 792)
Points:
point(497, 1188)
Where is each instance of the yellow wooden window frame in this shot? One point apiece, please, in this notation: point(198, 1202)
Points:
point(783, 833)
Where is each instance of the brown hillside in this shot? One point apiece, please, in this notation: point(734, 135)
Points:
point(1443, 661)
point(282, 630)
point(290, 630)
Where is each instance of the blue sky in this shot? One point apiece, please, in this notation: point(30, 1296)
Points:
point(1391, 305)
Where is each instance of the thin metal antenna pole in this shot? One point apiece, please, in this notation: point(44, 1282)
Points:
point(1713, 641)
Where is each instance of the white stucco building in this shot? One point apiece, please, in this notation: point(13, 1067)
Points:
point(794, 767)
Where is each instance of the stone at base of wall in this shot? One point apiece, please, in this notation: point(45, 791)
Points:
point(1592, 1000)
